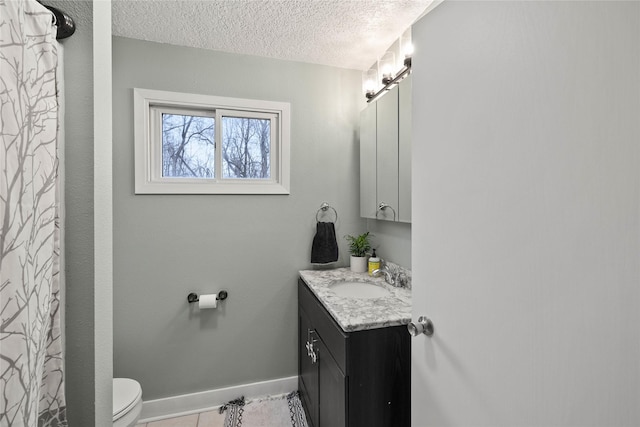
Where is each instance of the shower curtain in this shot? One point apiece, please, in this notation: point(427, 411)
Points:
point(31, 359)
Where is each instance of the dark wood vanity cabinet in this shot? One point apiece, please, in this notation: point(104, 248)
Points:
point(351, 379)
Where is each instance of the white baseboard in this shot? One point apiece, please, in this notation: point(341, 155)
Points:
point(175, 406)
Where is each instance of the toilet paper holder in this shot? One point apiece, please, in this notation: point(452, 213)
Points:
point(193, 297)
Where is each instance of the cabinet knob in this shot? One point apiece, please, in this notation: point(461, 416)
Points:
point(422, 326)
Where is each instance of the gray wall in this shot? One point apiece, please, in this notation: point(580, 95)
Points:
point(529, 142)
point(392, 240)
point(252, 246)
point(79, 292)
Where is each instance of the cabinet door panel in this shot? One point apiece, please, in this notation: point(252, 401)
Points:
point(368, 161)
point(333, 384)
point(404, 150)
point(379, 378)
point(387, 154)
point(308, 371)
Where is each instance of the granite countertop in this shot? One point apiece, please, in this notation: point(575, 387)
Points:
point(355, 314)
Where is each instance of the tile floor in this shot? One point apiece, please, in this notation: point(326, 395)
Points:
point(203, 419)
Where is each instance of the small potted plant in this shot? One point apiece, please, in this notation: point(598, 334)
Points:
point(358, 247)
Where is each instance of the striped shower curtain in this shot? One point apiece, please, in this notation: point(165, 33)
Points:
point(31, 359)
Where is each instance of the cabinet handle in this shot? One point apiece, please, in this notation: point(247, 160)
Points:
point(311, 351)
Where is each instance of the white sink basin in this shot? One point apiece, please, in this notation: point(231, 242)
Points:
point(361, 290)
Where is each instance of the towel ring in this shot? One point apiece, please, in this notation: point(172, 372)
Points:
point(323, 208)
point(383, 206)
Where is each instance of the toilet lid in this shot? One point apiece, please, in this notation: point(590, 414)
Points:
point(126, 393)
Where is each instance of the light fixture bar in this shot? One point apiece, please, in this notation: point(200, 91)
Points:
point(401, 75)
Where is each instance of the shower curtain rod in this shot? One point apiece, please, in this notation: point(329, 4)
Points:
point(66, 26)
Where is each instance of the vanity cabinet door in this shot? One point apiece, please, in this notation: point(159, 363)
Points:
point(333, 386)
point(308, 379)
point(322, 383)
point(387, 154)
point(380, 378)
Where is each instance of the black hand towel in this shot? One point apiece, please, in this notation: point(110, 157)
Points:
point(324, 249)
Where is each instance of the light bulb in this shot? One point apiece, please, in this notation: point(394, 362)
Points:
point(369, 82)
point(406, 47)
point(408, 50)
point(385, 65)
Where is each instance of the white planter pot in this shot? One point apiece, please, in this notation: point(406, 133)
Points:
point(358, 264)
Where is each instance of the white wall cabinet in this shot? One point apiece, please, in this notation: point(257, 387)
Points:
point(385, 156)
point(404, 150)
point(368, 161)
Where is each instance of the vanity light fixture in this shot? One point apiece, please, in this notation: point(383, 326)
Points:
point(389, 79)
point(391, 69)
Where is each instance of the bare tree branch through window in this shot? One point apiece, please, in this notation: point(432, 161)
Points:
point(246, 147)
point(188, 146)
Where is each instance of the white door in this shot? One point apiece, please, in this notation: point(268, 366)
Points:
point(526, 221)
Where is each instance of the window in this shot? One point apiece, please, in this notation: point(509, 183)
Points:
point(198, 144)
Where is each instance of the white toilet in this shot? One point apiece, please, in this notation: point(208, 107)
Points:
point(127, 402)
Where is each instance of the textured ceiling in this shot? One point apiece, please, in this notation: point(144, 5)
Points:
point(341, 33)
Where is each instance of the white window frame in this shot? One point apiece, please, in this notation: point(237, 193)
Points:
point(148, 107)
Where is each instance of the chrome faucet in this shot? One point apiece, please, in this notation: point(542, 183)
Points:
point(388, 277)
point(393, 277)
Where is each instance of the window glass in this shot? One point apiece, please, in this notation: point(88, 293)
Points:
point(188, 146)
point(246, 148)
